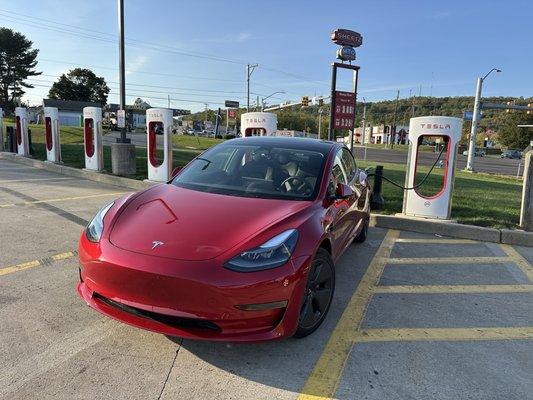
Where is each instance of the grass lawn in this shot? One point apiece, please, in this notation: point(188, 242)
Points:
point(194, 142)
point(479, 199)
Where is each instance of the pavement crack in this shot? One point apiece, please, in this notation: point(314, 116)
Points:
point(170, 370)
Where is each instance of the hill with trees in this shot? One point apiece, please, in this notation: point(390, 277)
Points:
point(499, 124)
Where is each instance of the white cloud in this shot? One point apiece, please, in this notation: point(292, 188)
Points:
point(242, 36)
point(136, 64)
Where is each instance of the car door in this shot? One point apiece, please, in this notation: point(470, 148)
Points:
point(338, 210)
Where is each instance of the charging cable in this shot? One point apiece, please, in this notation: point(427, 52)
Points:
point(418, 184)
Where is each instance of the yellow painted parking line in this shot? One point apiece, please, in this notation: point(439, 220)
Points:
point(34, 180)
point(62, 199)
point(454, 289)
point(519, 260)
point(37, 263)
point(448, 260)
point(324, 378)
point(435, 240)
point(448, 334)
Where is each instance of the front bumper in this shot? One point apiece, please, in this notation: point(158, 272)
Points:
point(190, 299)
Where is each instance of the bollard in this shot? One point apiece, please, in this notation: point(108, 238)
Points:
point(376, 200)
point(11, 142)
point(1, 130)
point(526, 212)
point(30, 144)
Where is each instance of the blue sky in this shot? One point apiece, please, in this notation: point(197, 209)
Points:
point(438, 46)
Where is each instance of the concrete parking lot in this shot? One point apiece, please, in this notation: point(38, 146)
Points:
point(415, 316)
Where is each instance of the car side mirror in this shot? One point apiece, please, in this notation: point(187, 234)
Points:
point(175, 171)
point(342, 192)
point(362, 177)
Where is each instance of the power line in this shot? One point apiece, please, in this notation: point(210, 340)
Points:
point(149, 45)
point(36, 23)
point(166, 91)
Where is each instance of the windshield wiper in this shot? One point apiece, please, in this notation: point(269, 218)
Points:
point(206, 161)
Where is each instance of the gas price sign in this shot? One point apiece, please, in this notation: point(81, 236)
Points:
point(343, 117)
point(232, 113)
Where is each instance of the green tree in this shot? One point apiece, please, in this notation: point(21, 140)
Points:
point(80, 84)
point(17, 63)
point(510, 135)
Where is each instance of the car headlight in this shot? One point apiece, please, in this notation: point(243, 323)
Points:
point(96, 226)
point(271, 254)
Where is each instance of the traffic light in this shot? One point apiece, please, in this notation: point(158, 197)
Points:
point(509, 103)
point(320, 102)
point(529, 105)
point(305, 101)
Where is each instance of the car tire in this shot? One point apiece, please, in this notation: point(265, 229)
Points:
point(361, 236)
point(318, 294)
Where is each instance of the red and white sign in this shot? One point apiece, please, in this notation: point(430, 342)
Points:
point(232, 113)
point(343, 117)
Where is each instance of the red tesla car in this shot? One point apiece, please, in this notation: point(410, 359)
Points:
point(239, 246)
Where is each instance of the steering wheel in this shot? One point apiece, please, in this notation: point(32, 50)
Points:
point(303, 184)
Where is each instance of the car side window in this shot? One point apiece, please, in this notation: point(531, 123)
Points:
point(337, 174)
point(349, 165)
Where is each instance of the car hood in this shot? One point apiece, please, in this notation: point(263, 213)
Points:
point(173, 222)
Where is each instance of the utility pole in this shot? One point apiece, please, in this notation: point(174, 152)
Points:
point(393, 127)
point(249, 70)
point(320, 122)
point(364, 126)
point(123, 151)
point(168, 106)
point(413, 108)
point(205, 117)
point(122, 67)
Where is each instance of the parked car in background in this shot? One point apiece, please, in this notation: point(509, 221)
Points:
point(513, 154)
point(477, 153)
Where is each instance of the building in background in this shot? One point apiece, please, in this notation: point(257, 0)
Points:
point(70, 112)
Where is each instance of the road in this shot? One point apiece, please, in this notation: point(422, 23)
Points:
point(490, 164)
point(413, 317)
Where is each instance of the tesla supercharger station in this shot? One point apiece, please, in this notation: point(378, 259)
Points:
point(445, 131)
point(258, 124)
point(92, 138)
point(51, 134)
point(159, 121)
point(21, 128)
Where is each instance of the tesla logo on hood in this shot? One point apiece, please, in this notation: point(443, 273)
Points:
point(156, 243)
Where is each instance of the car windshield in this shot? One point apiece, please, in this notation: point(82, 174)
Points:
point(255, 171)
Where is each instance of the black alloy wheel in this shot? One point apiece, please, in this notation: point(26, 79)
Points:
point(318, 294)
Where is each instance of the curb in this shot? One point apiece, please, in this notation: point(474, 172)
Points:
point(78, 173)
point(507, 236)
point(514, 237)
point(517, 237)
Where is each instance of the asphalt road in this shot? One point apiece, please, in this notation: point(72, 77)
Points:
point(413, 317)
point(490, 164)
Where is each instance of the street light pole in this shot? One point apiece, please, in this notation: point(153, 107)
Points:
point(269, 96)
point(475, 119)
